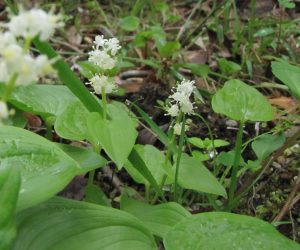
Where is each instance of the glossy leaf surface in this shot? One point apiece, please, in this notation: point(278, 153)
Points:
point(62, 224)
point(218, 230)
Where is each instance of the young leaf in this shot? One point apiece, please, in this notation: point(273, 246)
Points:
point(265, 145)
point(228, 67)
point(154, 160)
point(116, 136)
point(226, 231)
point(241, 102)
point(168, 49)
point(159, 219)
point(207, 143)
point(45, 169)
point(289, 75)
point(129, 23)
point(94, 194)
point(9, 190)
point(62, 224)
point(194, 175)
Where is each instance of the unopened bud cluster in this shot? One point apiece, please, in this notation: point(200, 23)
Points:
point(104, 56)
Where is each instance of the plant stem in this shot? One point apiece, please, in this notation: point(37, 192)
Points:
point(236, 163)
point(179, 152)
point(104, 103)
point(9, 88)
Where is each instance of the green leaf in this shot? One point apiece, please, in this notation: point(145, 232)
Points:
point(241, 102)
point(94, 194)
point(154, 160)
point(45, 169)
point(289, 75)
point(62, 224)
point(198, 69)
point(116, 136)
point(87, 159)
point(44, 100)
point(227, 159)
point(265, 145)
point(129, 23)
point(72, 122)
point(168, 49)
point(9, 190)
point(218, 230)
point(207, 143)
point(228, 67)
point(264, 32)
point(159, 219)
point(194, 175)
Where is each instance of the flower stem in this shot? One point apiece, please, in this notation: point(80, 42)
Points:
point(236, 163)
point(179, 152)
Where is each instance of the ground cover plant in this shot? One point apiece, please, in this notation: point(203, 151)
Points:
point(149, 125)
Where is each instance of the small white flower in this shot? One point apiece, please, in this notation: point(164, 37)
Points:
point(100, 81)
point(187, 107)
point(29, 24)
point(173, 110)
point(43, 65)
point(6, 39)
point(102, 59)
point(99, 41)
point(186, 87)
point(27, 73)
point(4, 113)
point(112, 45)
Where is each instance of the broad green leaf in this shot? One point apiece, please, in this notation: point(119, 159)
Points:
point(9, 190)
point(207, 143)
point(265, 145)
point(72, 122)
point(62, 224)
point(94, 194)
point(289, 75)
point(45, 169)
point(129, 23)
point(242, 102)
point(228, 67)
point(16, 120)
point(159, 219)
point(154, 160)
point(116, 136)
point(226, 231)
point(200, 156)
point(194, 175)
point(44, 100)
point(87, 159)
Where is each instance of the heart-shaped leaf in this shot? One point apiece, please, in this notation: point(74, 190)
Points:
point(129, 23)
point(217, 230)
point(62, 224)
point(45, 169)
point(154, 160)
point(242, 102)
point(44, 100)
point(72, 122)
point(194, 175)
point(159, 219)
point(9, 190)
point(265, 145)
point(117, 136)
point(289, 75)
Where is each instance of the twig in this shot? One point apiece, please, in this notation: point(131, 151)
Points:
point(289, 203)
